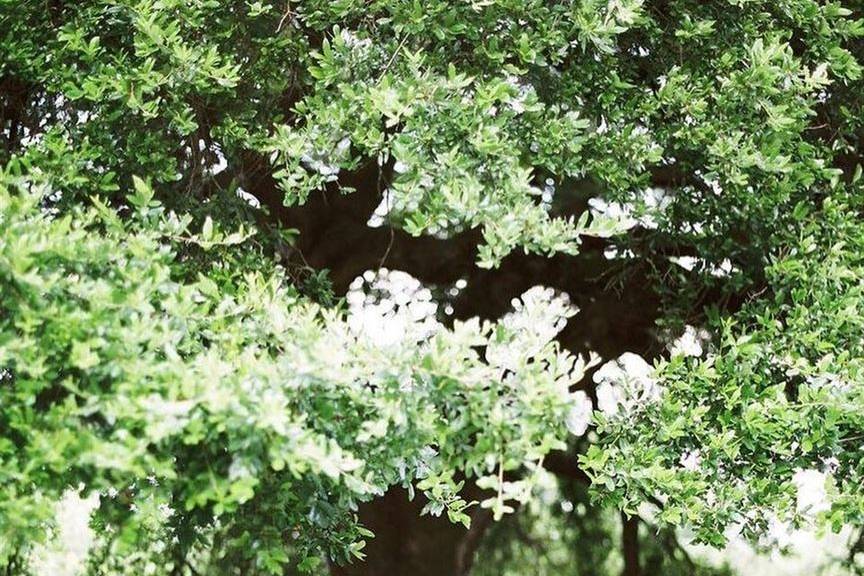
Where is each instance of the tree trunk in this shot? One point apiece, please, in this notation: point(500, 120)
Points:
point(630, 545)
point(407, 544)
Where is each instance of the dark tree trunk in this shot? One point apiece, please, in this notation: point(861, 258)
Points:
point(407, 544)
point(630, 545)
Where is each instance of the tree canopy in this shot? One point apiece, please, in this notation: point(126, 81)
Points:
point(264, 263)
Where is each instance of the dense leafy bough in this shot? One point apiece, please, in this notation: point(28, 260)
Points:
point(245, 401)
point(168, 342)
point(769, 421)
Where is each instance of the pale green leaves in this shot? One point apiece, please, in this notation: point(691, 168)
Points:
point(143, 367)
point(774, 406)
point(457, 155)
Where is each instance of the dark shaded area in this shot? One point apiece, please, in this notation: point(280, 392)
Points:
point(618, 307)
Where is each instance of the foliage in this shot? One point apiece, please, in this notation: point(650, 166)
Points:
point(240, 411)
point(156, 348)
point(778, 396)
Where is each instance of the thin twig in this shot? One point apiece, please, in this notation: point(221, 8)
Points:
point(287, 13)
point(392, 58)
point(389, 247)
point(389, 223)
